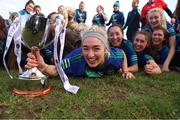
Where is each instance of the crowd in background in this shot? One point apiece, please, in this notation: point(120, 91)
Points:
point(152, 42)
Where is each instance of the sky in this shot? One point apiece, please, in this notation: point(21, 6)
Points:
point(48, 6)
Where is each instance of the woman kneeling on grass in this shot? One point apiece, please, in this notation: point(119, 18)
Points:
point(93, 59)
point(141, 43)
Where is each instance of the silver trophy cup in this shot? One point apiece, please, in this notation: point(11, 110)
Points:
point(33, 36)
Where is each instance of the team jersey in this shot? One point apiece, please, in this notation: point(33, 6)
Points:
point(160, 55)
point(80, 16)
point(98, 20)
point(143, 59)
point(75, 64)
point(117, 18)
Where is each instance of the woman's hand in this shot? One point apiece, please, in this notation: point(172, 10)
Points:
point(35, 60)
point(152, 68)
point(128, 75)
point(149, 68)
point(165, 68)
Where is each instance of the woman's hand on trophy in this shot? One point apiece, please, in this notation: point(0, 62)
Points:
point(35, 60)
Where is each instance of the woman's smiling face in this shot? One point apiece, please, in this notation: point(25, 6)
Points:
point(140, 43)
point(154, 19)
point(30, 7)
point(93, 51)
point(157, 38)
point(115, 36)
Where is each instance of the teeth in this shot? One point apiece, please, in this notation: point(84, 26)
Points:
point(92, 59)
point(155, 40)
point(137, 47)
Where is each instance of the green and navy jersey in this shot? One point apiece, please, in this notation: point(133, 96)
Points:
point(116, 18)
point(128, 48)
point(80, 16)
point(170, 29)
point(160, 55)
point(133, 20)
point(75, 64)
point(98, 20)
point(143, 59)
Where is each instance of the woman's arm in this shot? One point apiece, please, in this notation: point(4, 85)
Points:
point(133, 68)
point(178, 28)
point(50, 70)
point(152, 67)
point(104, 17)
point(126, 74)
point(172, 45)
point(110, 21)
point(36, 60)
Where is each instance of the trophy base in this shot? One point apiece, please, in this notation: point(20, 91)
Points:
point(34, 93)
point(32, 74)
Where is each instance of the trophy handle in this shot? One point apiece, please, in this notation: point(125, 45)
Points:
point(33, 49)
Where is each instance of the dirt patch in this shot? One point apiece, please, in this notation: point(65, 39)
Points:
point(74, 108)
point(23, 112)
point(3, 108)
point(95, 108)
point(115, 95)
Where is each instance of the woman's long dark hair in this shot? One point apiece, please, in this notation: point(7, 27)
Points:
point(29, 2)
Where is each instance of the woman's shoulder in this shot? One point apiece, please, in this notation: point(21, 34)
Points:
point(170, 29)
point(120, 13)
point(169, 24)
point(148, 57)
point(116, 53)
point(144, 56)
point(23, 12)
point(127, 43)
point(76, 52)
point(165, 49)
point(128, 46)
point(147, 27)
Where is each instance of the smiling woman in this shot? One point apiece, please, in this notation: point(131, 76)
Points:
point(94, 59)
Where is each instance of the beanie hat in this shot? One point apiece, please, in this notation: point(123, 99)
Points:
point(116, 4)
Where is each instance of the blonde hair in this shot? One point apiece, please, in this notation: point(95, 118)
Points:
point(72, 25)
point(100, 6)
point(161, 13)
point(64, 12)
point(95, 31)
point(137, 1)
point(82, 26)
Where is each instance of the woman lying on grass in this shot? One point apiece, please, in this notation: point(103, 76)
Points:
point(156, 18)
point(159, 49)
point(141, 43)
point(93, 59)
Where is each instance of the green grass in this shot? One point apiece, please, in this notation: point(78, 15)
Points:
point(111, 97)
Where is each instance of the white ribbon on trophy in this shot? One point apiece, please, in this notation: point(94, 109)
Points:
point(60, 37)
point(13, 33)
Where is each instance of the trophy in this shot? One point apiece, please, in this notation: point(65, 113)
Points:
point(34, 34)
